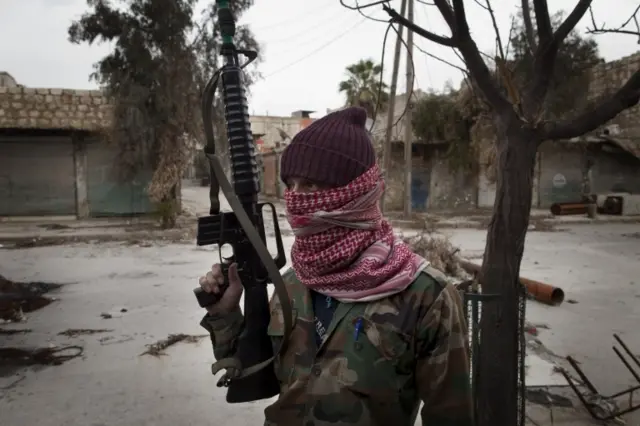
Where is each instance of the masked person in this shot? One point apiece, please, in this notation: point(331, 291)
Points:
point(376, 331)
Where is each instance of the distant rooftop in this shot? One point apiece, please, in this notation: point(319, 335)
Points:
point(302, 113)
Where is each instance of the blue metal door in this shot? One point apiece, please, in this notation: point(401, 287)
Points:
point(420, 180)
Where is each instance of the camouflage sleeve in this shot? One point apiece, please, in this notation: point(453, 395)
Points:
point(224, 331)
point(442, 372)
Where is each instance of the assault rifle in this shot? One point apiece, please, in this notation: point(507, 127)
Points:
point(247, 376)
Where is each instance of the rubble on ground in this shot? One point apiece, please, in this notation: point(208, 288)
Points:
point(157, 349)
point(440, 253)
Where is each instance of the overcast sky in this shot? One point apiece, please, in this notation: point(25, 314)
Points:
point(306, 46)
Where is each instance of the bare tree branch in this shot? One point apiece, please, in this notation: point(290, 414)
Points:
point(461, 39)
point(458, 55)
point(396, 17)
point(545, 55)
point(626, 97)
point(511, 30)
point(437, 58)
point(481, 5)
point(528, 25)
point(460, 15)
point(446, 12)
point(618, 30)
point(570, 23)
point(543, 21)
point(496, 29)
point(544, 58)
point(471, 54)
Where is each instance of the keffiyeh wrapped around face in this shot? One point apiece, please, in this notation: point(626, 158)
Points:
point(344, 248)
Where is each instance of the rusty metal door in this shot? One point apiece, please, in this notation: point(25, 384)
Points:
point(37, 176)
point(106, 194)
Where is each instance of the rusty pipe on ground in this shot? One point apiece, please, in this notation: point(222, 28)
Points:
point(541, 292)
point(566, 209)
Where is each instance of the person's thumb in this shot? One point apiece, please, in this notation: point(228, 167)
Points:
point(235, 285)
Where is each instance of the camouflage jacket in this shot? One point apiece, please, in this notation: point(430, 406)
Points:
point(413, 348)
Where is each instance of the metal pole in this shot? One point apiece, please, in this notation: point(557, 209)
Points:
point(408, 128)
point(386, 147)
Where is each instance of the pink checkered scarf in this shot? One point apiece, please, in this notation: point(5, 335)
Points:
point(344, 248)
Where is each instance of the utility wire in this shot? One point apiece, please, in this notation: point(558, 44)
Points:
point(359, 8)
point(296, 18)
point(305, 31)
point(384, 49)
point(363, 6)
point(426, 61)
point(313, 52)
point(303, 43)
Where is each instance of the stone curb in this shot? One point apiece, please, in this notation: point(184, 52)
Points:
point(473, 224)
point(17, 242)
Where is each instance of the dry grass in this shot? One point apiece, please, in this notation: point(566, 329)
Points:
point(439, 251)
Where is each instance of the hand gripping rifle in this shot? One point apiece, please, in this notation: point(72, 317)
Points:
point(247, 375)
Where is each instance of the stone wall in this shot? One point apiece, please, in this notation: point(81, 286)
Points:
point(435, 186)
point(33, 108)
point(608, 78)
point(394, 182)
point(450, 189)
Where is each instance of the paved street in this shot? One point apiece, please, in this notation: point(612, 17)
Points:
point(599, 269)
point(146, 291)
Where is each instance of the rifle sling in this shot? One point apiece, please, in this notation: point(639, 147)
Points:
point(269, 264)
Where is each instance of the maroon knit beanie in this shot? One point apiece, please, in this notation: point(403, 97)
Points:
point(332, 151)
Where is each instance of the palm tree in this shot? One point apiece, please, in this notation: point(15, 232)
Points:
point(364, 88)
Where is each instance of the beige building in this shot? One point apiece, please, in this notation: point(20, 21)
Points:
point(271, 132)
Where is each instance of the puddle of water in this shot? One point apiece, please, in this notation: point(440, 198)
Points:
point(12, 359)
point(17, 298)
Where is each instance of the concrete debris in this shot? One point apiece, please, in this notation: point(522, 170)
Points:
point(157, 349)
point(73, 332)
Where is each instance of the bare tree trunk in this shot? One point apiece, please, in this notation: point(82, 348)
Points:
point(498, 370)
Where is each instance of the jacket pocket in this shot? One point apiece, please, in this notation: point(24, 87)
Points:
point(376, 359)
